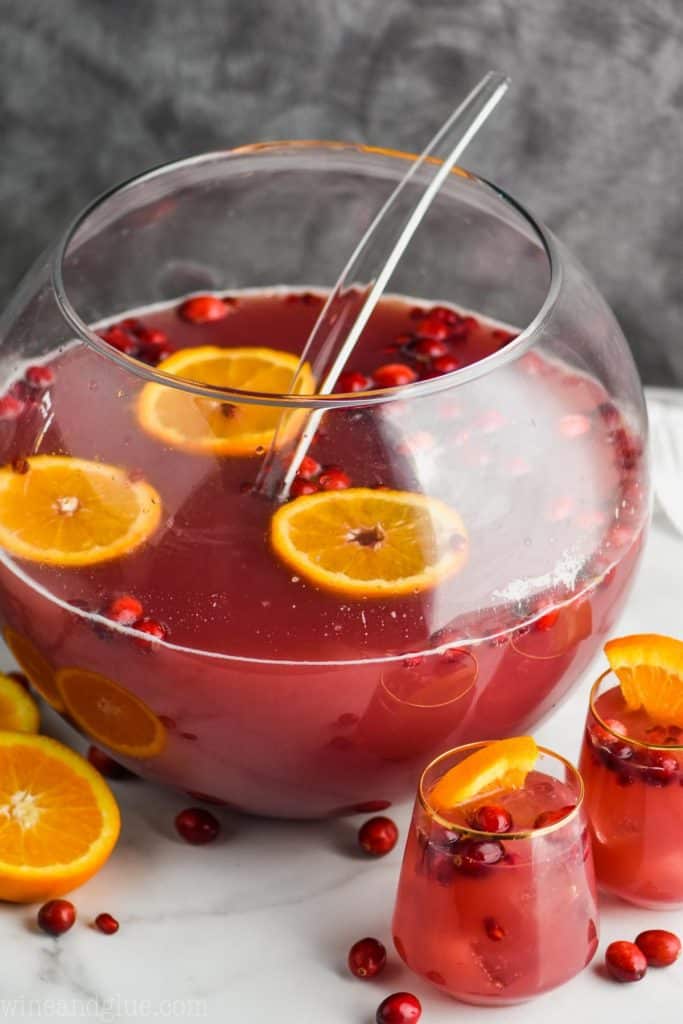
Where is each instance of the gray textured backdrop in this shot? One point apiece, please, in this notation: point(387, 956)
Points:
point(591, 139)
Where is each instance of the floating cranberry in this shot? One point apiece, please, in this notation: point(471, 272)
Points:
point(393, 375)
point(625, 962)
point(106, 765)
point(399, 1008)
point(433, 327)
point(299, 487)
point(56, 916)
point(473, 856)
point(308, 468)
point(448, 316)
point(427, 348)
point(126, 610)
point(378, 836)
point(203, 309)
point(367, 958)
point(39, 377)
point(546, 818)
point(494, 929)
point(152, 629)
point(121, 340)
point(197, 826)
point(106, 924)
point(548, 620)
point(659, 947)
point(662, 766)
point(352, 380)
point(11, 407)
point(446, 364)
point(334, 480)
point(492, 818)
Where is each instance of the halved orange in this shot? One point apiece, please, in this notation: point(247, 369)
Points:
point(209, 426)
point(35, 665)
point(72, 512)
point(650, 672)
point(366, 543)
point(500, 765)
point(58, 819)
point(111, 715)
point(18, 710)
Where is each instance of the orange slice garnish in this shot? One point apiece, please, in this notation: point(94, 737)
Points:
point(500, 765)
point(366, 543)
point(111, 715)
point(209, 426)
point(58, 819)
point(650, 672)
point(18, 710)
point(71, 512)
point(35, 666)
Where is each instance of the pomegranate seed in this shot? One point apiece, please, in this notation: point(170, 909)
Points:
point(197, 826)
point(300, 487)
point(473, 856)
point(106, 765)
point(428, 348)
point(433, 327)
point(11, 407)
point(393, 375)
point(125, 610)
point(352, 380)
point(546, 818)
point(547, 621)
point(492, 818)
point(334, 480)
point(574, 425)
point(151, 628)
point(107, 924)
point(378, 836)
point(308, 468)
point(493, 929)
point(203, 309)
point(660, 948)
point(446, 364)
point(367, 958)
point(399, 1008)
point(625, 962)
point(56, 916)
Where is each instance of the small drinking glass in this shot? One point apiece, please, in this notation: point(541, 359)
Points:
point(633, 769)
point(496, 919)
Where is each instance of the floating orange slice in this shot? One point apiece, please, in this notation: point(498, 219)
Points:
point(501, 765)
point(58, 819)
point(72, 512)
point(650, 672)
point(367, 543)
point(35, 665)
point(110, 714)
point(18, 710)
point(212, 427)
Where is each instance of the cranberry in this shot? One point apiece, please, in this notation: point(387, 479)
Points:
point(197, 826)
point(399, 1008)
point(393, 375)
point(475, 856)
point(548, 620)
point(433, 327)
point(11, 407)
point(152, 628)
point(352, 380)
point(625, 962)
point(106, 924)
point(662, 766)
point(121, 340)
point(39, 377)
point(446, 364)
point(56, 916)
point(492, 818)
point(449, 316)
point(334, 480)
point(546, 818)
point(203, 309)
point(378, 836)
point(308, 468)
point(125, 610)
point(106, 765)
point(367, 958)
point(427, 348)
point(660, 948)
point(300, 487)
point(494, 929)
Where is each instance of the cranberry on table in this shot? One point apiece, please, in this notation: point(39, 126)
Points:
point(393, 375)
point(56, 916)
point(378, 836)
point(197, 826)
point(399, 1008)
point(106, 924)
point(203, 309)
point(660, 948)
point(367, 958)
point(492, 818)
point(625, 961)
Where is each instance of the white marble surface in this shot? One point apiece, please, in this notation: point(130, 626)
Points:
point(255, 928)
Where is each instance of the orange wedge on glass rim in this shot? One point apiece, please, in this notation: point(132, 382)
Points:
point(650, 672)
point(58, 819)
point(500, 765)
point(370, 543)
point(18, 710)
point(208, 426)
